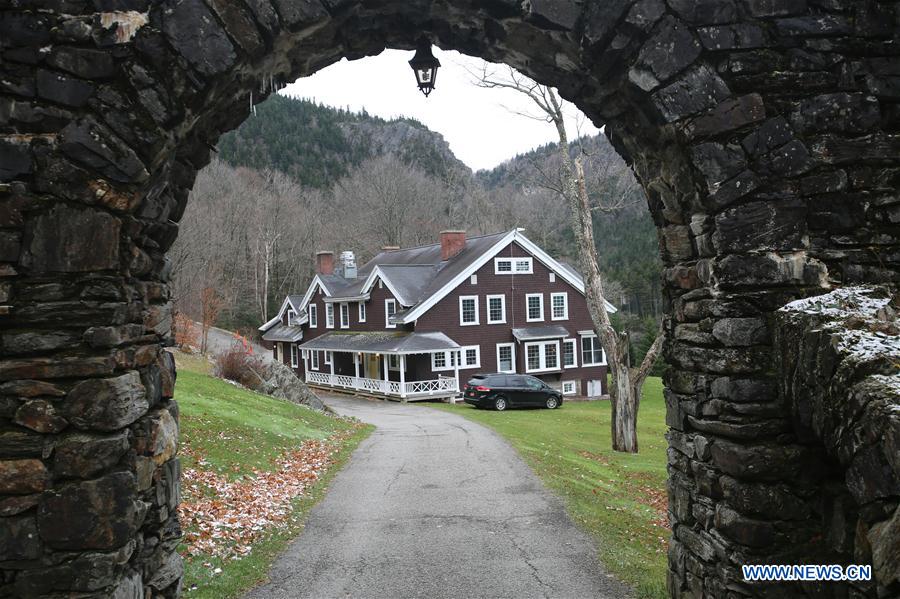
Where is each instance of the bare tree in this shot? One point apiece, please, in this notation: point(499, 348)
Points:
point(625, 392)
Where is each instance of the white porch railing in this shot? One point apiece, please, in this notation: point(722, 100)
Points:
point(440, 386)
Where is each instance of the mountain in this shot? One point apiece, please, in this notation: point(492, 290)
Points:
point(318, 145)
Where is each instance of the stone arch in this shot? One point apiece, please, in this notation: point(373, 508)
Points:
point(765, 134)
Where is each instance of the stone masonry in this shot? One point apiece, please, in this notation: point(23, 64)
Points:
point(766, 134)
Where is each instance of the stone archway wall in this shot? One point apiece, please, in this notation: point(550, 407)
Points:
point(766, 134)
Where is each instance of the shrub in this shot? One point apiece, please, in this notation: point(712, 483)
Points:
point(239, 366)
point(186, 334)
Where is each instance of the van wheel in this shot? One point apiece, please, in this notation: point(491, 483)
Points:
point(500, 404)
point(552, 403)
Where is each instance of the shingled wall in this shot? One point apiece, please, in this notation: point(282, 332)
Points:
point(766, 134)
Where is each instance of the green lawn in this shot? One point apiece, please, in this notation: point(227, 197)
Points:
point(619, 498)
point(234, 431)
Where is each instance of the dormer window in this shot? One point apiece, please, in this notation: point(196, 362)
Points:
point(313, 316)
point(292, 315)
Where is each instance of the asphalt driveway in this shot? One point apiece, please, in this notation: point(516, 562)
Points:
point(433, 505)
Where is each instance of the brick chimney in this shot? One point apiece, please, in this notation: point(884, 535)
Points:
point(325, 263)
point(452, 243)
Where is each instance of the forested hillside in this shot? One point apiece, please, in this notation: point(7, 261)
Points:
point(318, 145)
point(298, 177)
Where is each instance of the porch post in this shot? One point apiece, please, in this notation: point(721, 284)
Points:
point(356, 363)
point(305, 365)
point(332, 363)
point(456, 368)
point(387, 378)
point(403, 378)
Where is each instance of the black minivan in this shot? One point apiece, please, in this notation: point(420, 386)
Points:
point(501, 391)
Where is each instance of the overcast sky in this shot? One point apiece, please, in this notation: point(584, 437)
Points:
point(478, 123)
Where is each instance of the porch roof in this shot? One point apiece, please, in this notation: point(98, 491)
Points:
point(283, 332)
point(382, 343)
point(546, 332)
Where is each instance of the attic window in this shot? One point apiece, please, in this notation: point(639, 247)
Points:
point(473, 280)
point(508, 266)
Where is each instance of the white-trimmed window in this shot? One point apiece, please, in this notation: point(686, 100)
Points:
point(570, 352)
point(569, 388)
point(468, 310)
point(552, 277)
point(496, 309)
point(345, 316)
point(473, 280)
point(291, 314)
point(329, 358)
point(295, 358)
point(591, 351)
point(534, 307)
point(559, 306)
point(510, 266)
point(542, 356)
point(390, 308)
point(362, 311)
point(446, 360)
point(329, 316)
point(314, 359)
point(313, 316)
point(470, 356)
point(506, 357)
point(393, 362)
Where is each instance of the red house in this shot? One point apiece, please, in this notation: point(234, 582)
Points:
point(418, 322)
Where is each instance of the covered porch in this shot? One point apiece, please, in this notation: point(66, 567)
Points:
point(384, 364)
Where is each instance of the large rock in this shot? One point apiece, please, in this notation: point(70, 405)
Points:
point(107, 404)
point(81, 455)
point(19, 538)
point(21, 477)
point(280, 381)
point(97, 514)
point(54, 240)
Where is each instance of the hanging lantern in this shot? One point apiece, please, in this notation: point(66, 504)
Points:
point(425, 66)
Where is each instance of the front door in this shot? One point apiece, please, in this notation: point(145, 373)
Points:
point(371, 362)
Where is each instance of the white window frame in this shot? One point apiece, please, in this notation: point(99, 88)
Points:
point(313, 316)
point(345, 309)
point(528, 317)
point(329, 316)
point(291, 315)
point(575, 352)
point(387, 313)
point(602, 352)
point(487, 305)
point(329, 358)
point(553, 280)
point(514, 264)
point(473, 280)
point(565, 297)
point(474, 299)
point(462, 357)
point(574, 387)
point(512, 348)
point(393, 362)
point(450, 359)
point(295, 357)
point(542, 357)
point(362, 311)
point(314, 359)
